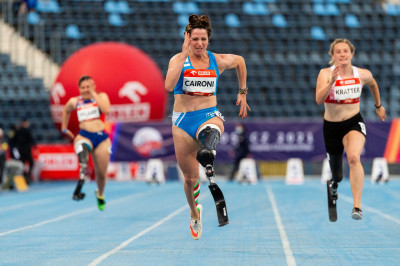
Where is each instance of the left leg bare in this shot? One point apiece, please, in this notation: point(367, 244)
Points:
point(101, 158)
point(353, 143)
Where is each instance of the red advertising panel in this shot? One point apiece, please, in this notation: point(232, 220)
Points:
point(58, 162)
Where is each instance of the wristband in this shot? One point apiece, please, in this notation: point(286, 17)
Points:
point(243, 91)
point(64, 131)
point(377, 107)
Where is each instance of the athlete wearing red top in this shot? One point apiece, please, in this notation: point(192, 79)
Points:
point(91, 107)
point(339, 88)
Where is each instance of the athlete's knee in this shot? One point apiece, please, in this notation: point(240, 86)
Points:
point(191, 180)
point(353, 159)
point(209, 136)
point(82, 149)
point(336, 165)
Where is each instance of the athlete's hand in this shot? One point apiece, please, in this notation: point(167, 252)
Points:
point(335, 74)
point(381, 113)
point(69, 134)
point(186, 44)
point(241, 100)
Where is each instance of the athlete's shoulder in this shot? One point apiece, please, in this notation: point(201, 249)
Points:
point(71, 103)
point(363, 70)
point(176, 57)
point(325, 71)
point(365, 75)
point(73, 99)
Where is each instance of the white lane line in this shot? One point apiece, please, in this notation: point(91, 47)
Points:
point(370, 209)
point(285, 242)
point(127, 242)
point(30, 204)
point(59, 218)
point(62, 217)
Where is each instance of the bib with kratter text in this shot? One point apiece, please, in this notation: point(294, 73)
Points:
point(346, 91)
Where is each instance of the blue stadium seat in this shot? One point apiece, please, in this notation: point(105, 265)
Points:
point(279, 20)
point(232, 20)
point(185, 8)
point(123, 7)
point(111, 7)
point(392, 9)
point(183, 20)
point(116, 20)
point(48, 6)
point(33, 18)
point(72, 32)
point(318, 33)
point(351, 21)
point(319, 9)
point(213, 1)
point(255, 8)
point(332, 9)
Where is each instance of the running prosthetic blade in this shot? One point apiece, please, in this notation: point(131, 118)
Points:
point(331, 203)
point(78, 195)
point(219, 199)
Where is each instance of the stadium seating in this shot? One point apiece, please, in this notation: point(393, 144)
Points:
point(22, 96)
point(285, 43)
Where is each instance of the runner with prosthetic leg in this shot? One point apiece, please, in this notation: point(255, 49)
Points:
point(335, 163)
point(209, 136)
point(82, 149)
point(91, 107)
point(339, 88)
point(197, 124)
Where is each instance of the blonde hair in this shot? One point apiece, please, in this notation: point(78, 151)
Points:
point(336, 41)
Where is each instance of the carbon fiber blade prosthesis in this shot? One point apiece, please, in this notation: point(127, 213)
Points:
point(219, 199)
point(219, 204)
point(78, 195)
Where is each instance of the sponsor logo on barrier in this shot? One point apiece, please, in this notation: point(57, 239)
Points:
point(59, 161)
point(147, 141)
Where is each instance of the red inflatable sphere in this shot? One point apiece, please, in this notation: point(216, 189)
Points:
point(132, 80)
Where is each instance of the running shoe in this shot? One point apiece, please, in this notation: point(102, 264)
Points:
point(356, 214)
point(195, 224)
point(101, 203)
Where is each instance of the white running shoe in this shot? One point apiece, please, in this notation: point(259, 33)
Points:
point(195, 225)
point(356, 214)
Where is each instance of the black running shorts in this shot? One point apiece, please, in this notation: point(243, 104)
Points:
point(334, 132)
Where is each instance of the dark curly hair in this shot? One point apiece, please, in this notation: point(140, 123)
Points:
point(83, 78)
point(196, 22)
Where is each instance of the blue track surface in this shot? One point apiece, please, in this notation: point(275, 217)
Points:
point(270, 224)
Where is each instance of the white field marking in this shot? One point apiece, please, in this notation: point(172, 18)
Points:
point(62, 217)
point(127, 242)
point(370, 209)
point(285, 242)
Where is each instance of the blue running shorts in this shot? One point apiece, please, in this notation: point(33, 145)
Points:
point(191, 121)
point(95, 137)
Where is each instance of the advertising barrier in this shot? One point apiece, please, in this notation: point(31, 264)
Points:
point(268, 141)
point(135, 143)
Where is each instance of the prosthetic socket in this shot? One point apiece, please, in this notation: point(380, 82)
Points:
point(335, 162)
point(82, 149)
point(209, 138)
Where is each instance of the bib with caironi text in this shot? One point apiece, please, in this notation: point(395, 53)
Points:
point(346, 91)
point(202, 82)
point(87, 110)
point(199, 82)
